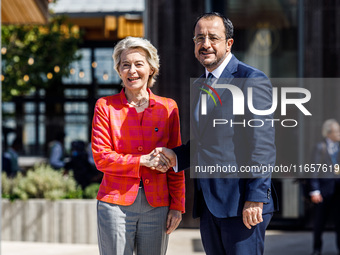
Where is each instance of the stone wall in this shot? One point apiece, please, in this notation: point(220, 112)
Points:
point(39, 220)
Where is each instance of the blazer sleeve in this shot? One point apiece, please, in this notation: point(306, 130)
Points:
point(176, 181)
point(317, 158)
point(107, 160)
point(261, 140)
point(183, 156)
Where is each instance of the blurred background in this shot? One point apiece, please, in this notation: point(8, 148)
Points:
point(57, 61)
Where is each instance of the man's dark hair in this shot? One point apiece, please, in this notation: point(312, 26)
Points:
point(228, 26)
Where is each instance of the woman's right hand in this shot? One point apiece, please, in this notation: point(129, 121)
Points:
point(152, 161)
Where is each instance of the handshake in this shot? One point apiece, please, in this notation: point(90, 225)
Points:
point(160, 159)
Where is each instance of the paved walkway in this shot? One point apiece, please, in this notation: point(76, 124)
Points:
point(182, 242)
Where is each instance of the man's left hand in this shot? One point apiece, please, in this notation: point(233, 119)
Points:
point(252, 213)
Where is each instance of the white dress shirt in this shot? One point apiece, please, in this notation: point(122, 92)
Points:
point(219, 70)
point(217, 74)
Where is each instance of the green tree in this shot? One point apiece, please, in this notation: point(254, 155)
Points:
point(34, 56)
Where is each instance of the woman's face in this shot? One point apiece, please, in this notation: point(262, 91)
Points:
point(134, 69)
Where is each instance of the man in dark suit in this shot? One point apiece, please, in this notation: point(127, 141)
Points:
point(234, 211)
point(325, 187)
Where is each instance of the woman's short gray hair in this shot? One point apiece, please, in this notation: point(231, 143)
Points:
point(138, 43)
point(327, 127)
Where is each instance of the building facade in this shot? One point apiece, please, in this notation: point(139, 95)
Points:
point(283, 38)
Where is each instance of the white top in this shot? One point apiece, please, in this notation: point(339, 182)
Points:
point(332, 147)
point(56, 156)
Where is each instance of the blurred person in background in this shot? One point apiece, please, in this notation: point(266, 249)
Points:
point(56, 151)
point(83, 171)
point(97, 178)
point(324, 188)
point(137, 207)
point(11, 157)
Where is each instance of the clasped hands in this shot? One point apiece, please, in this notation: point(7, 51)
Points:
point(160, 159)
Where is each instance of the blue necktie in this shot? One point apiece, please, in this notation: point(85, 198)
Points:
point(210, 79)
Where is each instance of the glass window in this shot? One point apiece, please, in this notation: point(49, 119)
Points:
point(108, 92)
point(80, 71)
point(75, 131)
point(76, 108)
point(8, 107)
point(76, 122)
point(75, 93)
point(8, 120)
point(30, 126)
point(29, 107)
point(104, 71)
point(265, 35)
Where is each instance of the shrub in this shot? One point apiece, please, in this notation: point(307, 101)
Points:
point(41, 182)
point(91, 191)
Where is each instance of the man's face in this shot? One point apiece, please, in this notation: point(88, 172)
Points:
point(211, 53)
point(334, 134)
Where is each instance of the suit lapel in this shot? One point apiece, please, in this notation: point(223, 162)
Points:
point(226, 77)
point(326, 155)
point(195, 103)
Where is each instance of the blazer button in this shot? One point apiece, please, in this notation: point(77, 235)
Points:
point(140, 148)
point(147, 181)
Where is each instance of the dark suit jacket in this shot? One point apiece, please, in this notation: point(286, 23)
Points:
point(235, 146)
point(324, 182)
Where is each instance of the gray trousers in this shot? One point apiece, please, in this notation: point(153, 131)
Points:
point(138, 228)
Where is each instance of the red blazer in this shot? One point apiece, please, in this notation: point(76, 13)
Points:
point(119, 140)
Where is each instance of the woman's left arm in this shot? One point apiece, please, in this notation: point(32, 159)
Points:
point(176, 181)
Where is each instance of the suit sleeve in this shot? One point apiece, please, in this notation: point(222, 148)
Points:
point(261, 140)
point(107, 160)
point(183, 156)
point(176, 181)
point(317, 158)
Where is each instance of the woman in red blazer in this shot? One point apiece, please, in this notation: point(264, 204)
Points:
point(137, 207)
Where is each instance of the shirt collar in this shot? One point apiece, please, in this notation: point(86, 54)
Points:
point(332, 146)
point(219, 70)
point(331, 142)
point(123, 99)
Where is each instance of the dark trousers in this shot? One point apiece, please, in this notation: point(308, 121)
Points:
point(323, 211)
point(229, 236)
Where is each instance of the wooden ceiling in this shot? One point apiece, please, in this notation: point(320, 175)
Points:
point(109, 27)
point(24, 11)
point(106, 27)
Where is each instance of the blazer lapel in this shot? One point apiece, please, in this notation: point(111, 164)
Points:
point(327, 156)
point(227, 76)
point(195, 104)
